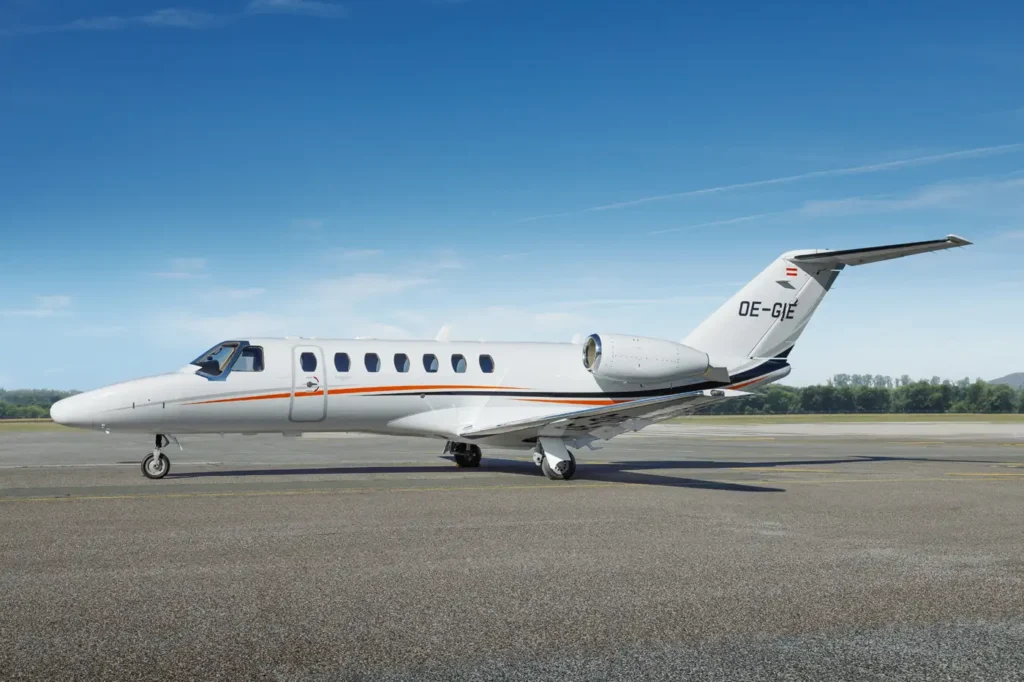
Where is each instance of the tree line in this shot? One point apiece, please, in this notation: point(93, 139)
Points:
point(867, 393)
point(29, 403)
point(843, 393)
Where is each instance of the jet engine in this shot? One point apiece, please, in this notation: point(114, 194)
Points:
point(638, 359)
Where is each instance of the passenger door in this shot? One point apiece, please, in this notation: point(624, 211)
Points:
point(309, 385)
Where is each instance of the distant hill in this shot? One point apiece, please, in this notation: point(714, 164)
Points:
point(1015, 380)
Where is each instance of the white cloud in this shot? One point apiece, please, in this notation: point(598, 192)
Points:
point(184, 268)
point(446, 259)
point(170, 17)
point(931, 196)
point(715, 223)
point(313, 8)
point(307, 224)
point(185, 18)
point(46, 306)
point(359, 287)
point(210, 328)
point(240, 294)
point(786, 179)
point(378, 330)
point(356, 254)
point(173, 17)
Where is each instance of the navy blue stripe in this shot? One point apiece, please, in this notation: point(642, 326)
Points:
point(764, 368)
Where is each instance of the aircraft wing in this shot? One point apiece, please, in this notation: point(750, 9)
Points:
point(874, 254)
point(604, 422)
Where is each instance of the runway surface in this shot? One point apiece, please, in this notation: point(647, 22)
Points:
point(677, 553)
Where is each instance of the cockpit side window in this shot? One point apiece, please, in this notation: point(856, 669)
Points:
point(251, 360)
point(214, 361)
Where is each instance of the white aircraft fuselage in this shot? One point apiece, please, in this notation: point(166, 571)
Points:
point(542, 396)
point(526, 380)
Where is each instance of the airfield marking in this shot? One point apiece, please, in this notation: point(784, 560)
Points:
point(314, 491)
point(887, 480)
point(951, 477)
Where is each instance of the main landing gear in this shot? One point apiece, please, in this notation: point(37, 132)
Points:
point(551, 455)
point(554, 459)
point(465, 454)
point(156, 464)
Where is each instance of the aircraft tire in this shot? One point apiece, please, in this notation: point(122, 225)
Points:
point(555, 475)
point(158, 469)
point(470, 459)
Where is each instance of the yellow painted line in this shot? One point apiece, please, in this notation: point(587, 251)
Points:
point(872, 480)
point(917, 442)
point(985, 475)
point(791, 469)
point(315, 491)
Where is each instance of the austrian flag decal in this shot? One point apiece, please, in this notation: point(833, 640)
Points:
point(790, 272)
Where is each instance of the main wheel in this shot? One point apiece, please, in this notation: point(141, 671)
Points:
point(469, 458)
point(564, 471)
point(156, 467)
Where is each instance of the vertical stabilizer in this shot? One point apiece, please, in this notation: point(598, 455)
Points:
point(765, 318)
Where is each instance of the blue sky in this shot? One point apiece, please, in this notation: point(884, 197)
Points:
point(175, 174)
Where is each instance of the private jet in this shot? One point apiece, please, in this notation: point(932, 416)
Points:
point(547, 398)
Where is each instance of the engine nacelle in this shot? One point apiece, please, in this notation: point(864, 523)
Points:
point(638, 359)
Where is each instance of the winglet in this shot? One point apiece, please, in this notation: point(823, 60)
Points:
point(443, 333)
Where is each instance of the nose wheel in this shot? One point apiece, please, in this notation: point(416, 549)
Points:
point(156, 465)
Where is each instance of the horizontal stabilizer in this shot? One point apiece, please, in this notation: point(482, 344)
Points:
point(873, 254)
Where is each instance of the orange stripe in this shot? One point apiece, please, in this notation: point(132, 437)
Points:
point(358, 389)
point(428, 387)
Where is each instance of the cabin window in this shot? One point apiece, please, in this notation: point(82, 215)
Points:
point(341, 362)
point(372, 362)
point(401, 362)
point(459, 363)
point(430, 362)
point(486, 364)
point(308, 362)
point(251, 360)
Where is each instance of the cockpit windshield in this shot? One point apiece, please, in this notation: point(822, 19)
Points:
point(214, 361)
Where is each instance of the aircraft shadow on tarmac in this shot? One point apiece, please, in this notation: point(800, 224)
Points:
point(617, 473)
point(636, 472)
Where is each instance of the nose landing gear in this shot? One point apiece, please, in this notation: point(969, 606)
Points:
point(156, 465)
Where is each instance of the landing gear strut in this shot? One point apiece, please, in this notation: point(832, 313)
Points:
point(156, 464)
point(466, 455)
point(554, 459)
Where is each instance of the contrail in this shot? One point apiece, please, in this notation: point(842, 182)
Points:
point(851, 170)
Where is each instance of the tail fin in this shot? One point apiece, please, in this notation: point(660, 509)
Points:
point(765, 318)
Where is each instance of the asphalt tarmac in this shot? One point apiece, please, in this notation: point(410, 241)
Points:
point(677, 553)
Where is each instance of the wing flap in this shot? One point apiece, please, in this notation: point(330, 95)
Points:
point(607, 420)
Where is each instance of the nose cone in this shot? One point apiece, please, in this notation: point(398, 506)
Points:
point(72, 411)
